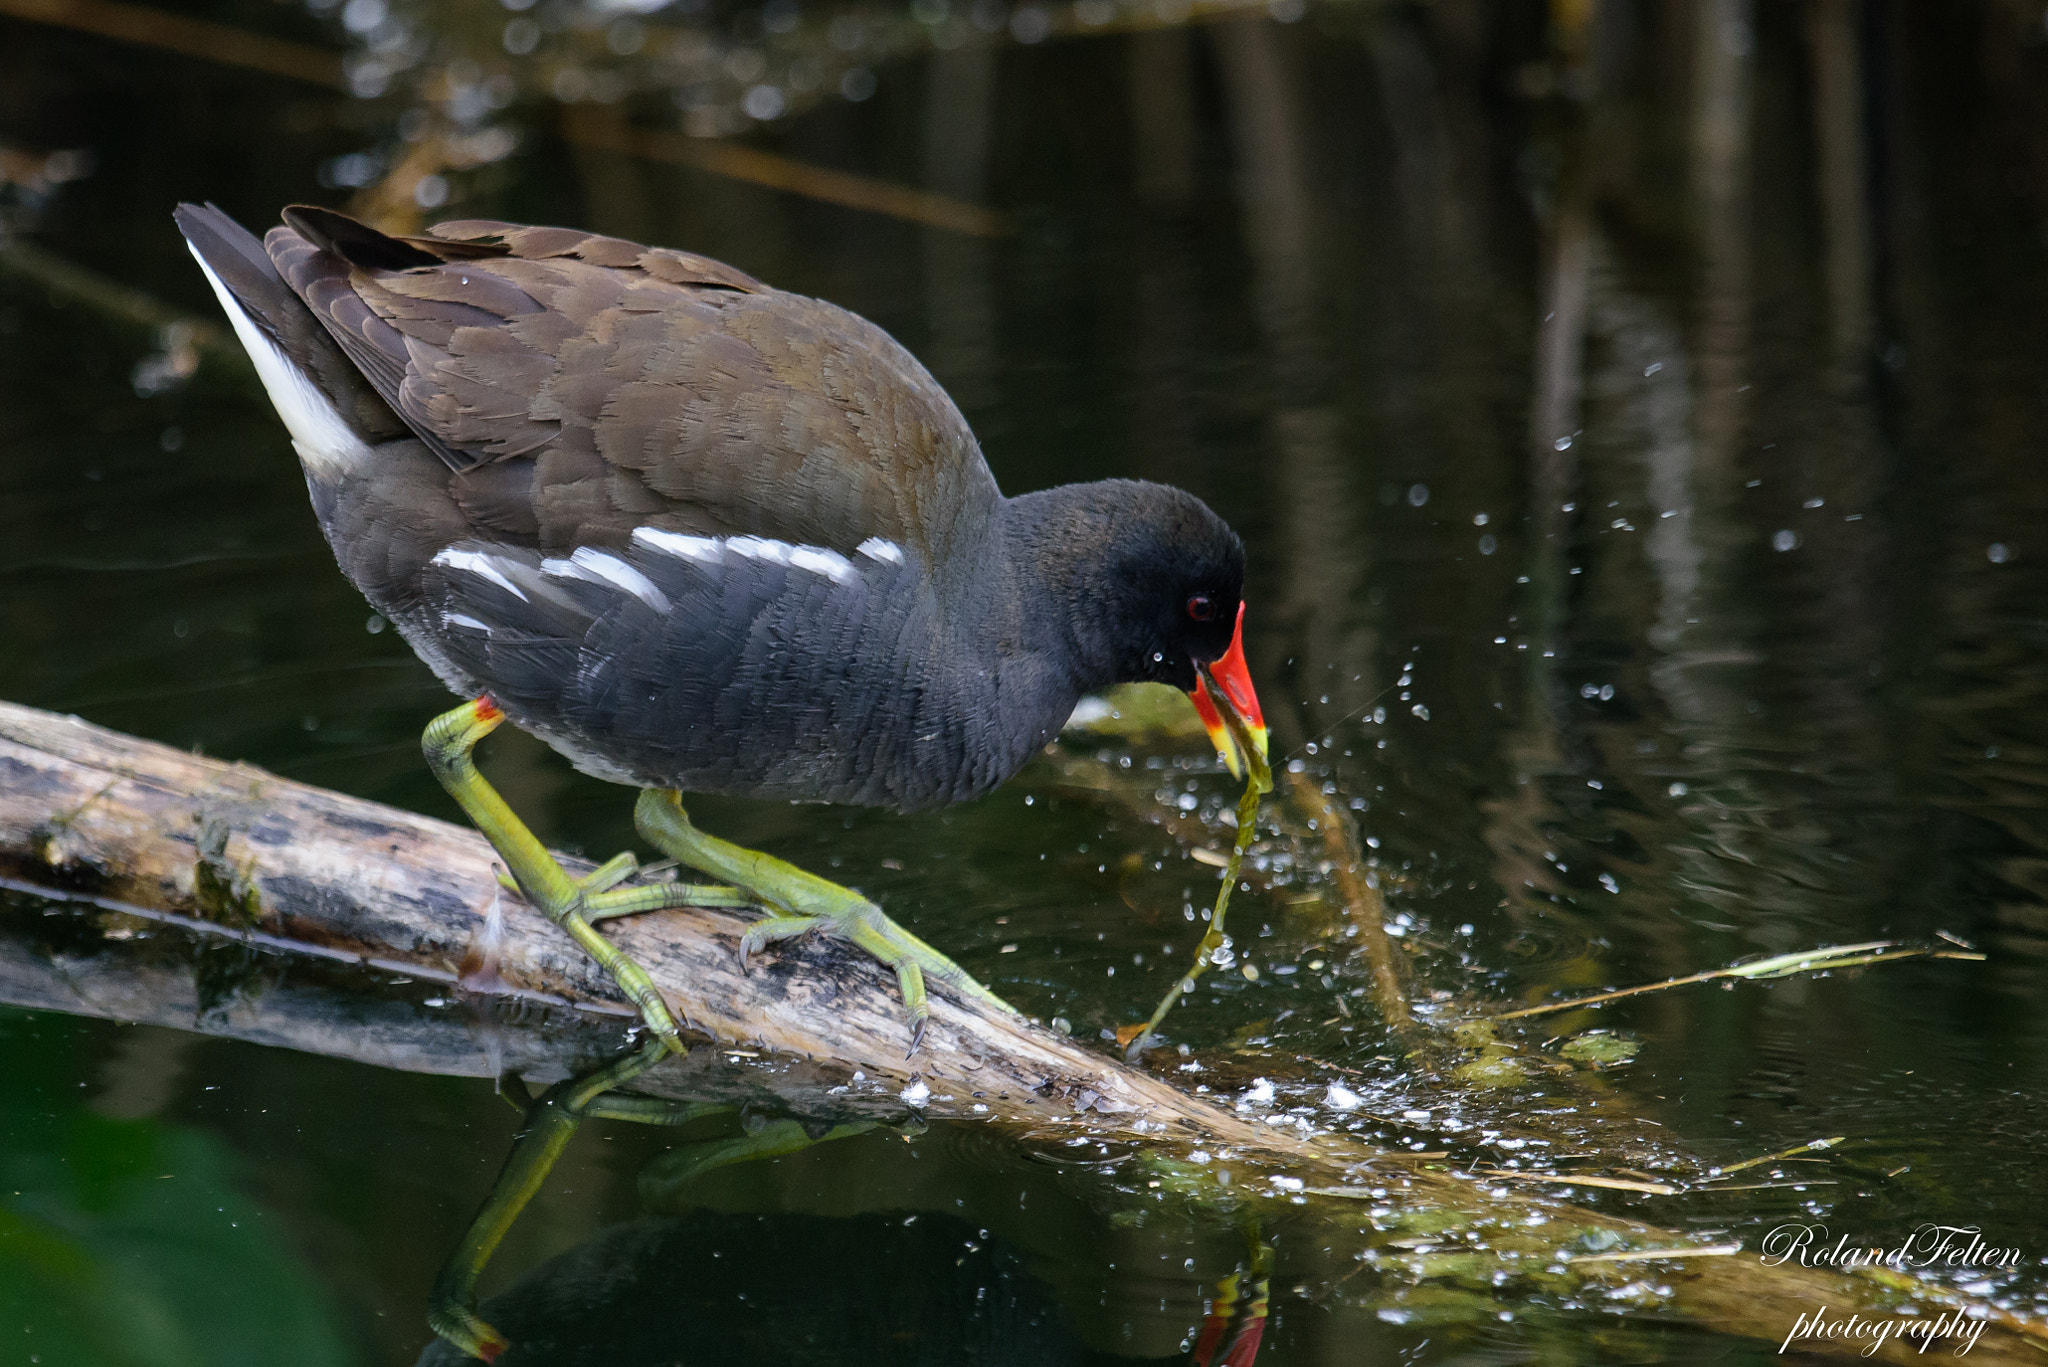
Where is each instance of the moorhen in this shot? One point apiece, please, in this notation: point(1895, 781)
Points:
point(700, 534)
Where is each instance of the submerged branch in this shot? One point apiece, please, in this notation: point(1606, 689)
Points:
point(1363, 904)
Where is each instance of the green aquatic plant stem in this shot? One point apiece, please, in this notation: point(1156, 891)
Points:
point(1258, 782)
point(1778, 966)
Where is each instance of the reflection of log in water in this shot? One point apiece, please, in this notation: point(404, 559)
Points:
point(354, 882)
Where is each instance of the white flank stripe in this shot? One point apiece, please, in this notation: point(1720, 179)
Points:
point(477, 563)
point(760, 548)
point(600, 565)
point(817, 560)
point(710, 550)
point(325, 443)
point(703, 549)
point(876, 548)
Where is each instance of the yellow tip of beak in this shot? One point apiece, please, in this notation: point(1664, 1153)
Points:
point(1227, 748)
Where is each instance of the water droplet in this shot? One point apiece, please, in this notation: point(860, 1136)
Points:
point(1785, 539)
point(763, 102)
point(1997, 553)
point(1418, 494)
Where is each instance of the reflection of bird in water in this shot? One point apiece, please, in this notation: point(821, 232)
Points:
point(671, 1183)
point(791, 1290)
point(700, 534)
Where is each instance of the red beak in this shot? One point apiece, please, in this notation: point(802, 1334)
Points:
point(1231, 712)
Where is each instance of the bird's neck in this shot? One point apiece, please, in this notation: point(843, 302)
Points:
point(1059, 557)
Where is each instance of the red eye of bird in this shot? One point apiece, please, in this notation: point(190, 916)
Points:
point(1202, 607)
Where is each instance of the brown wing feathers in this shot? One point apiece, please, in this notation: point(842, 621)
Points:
point(580, 386)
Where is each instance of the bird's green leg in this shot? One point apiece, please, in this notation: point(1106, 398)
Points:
point(570, 903)
point(803, 902)
point(550, 1122)
point(664, 1178)
point(600, 903)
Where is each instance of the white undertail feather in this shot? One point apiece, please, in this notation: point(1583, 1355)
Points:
point(326, 444)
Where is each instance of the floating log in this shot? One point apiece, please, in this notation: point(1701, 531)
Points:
point(232, 852)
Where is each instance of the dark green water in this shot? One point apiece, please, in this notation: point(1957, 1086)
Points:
point(1640, 449)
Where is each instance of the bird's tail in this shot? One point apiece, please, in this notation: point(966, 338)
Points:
point(333, 413)
point(236, 262)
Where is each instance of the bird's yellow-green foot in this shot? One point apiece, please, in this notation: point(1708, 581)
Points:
point(797, 902)
point(802, 902)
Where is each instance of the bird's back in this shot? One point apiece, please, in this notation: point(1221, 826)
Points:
point(690, 529)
